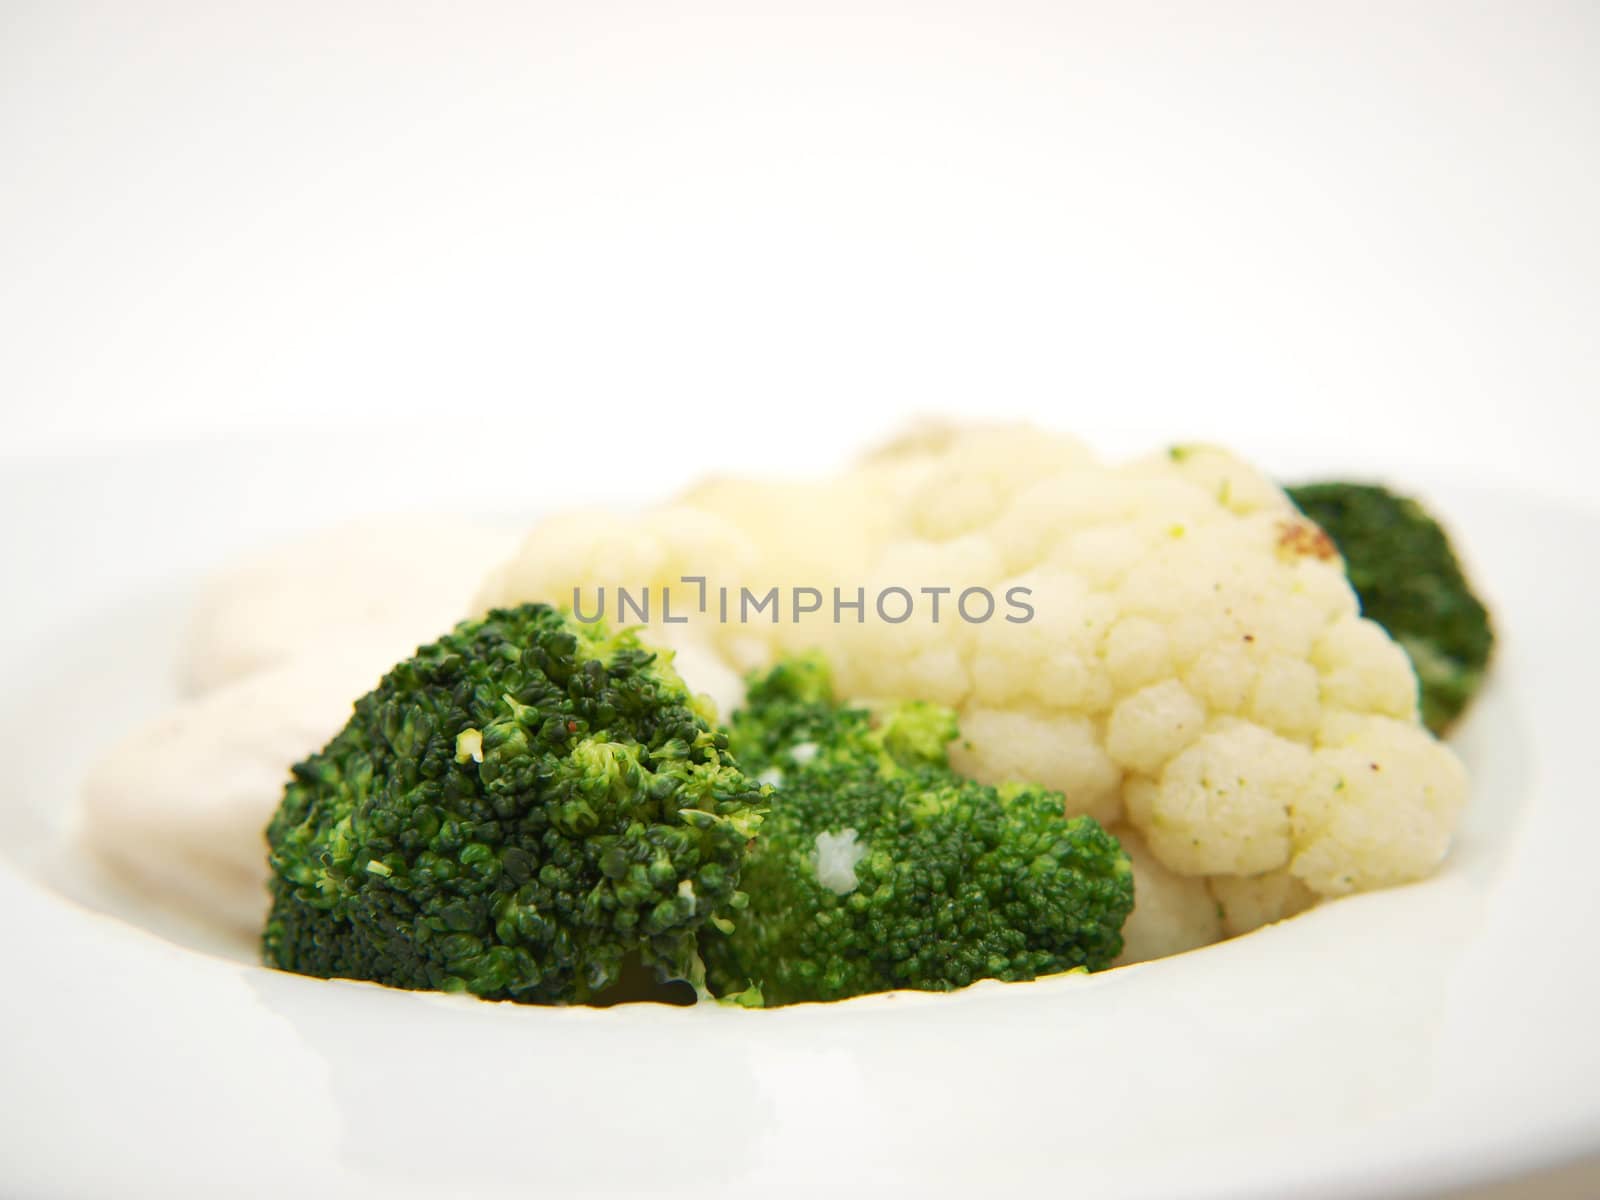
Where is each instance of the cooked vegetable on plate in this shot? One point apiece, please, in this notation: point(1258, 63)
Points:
point(982, 706)
point(878, 867)
point(513, 812)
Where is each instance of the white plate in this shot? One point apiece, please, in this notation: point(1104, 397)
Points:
point(1386, 1044)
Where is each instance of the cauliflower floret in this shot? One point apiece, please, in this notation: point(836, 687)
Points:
point(1066, 754)
point(1153, 725)
point(795, 530)
point(410, 578)
point(1364, 670)
point(1287, 698)
point(1236, 486)
point(1171, 913)
point(1222, 805)
point(1380, 809)
point(1247, 902)
point(572, 557)
point(660, 569)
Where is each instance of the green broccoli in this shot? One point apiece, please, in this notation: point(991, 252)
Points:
point(517, 811)
point(879, 867)
point(1401, 564)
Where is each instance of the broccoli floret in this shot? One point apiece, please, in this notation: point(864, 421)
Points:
point(879, 867)
point(1401, 564)
point(514, 812)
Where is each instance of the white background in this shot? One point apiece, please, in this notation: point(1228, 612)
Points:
point(763, 233)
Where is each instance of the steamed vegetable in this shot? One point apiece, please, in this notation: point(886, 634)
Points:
point(1402, 565)
point(1196, 664)
point(879, 867)
point(1190, 667)
point(520, 810)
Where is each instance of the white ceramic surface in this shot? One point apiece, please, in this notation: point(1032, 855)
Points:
point(1382, 1045)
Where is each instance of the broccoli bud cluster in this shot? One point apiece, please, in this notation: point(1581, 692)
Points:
point(1402, 565)
point(879, 867)
point(529, 806)
point(515, 811)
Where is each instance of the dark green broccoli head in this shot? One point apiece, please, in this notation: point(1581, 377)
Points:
point(879, 867)
point(512, 812)
point(1401, 564)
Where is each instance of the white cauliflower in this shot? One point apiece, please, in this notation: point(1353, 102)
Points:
point(389, 584)
point(581, 559)
point(1196, 664)
point(1247, 902)
point(1171, 913)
